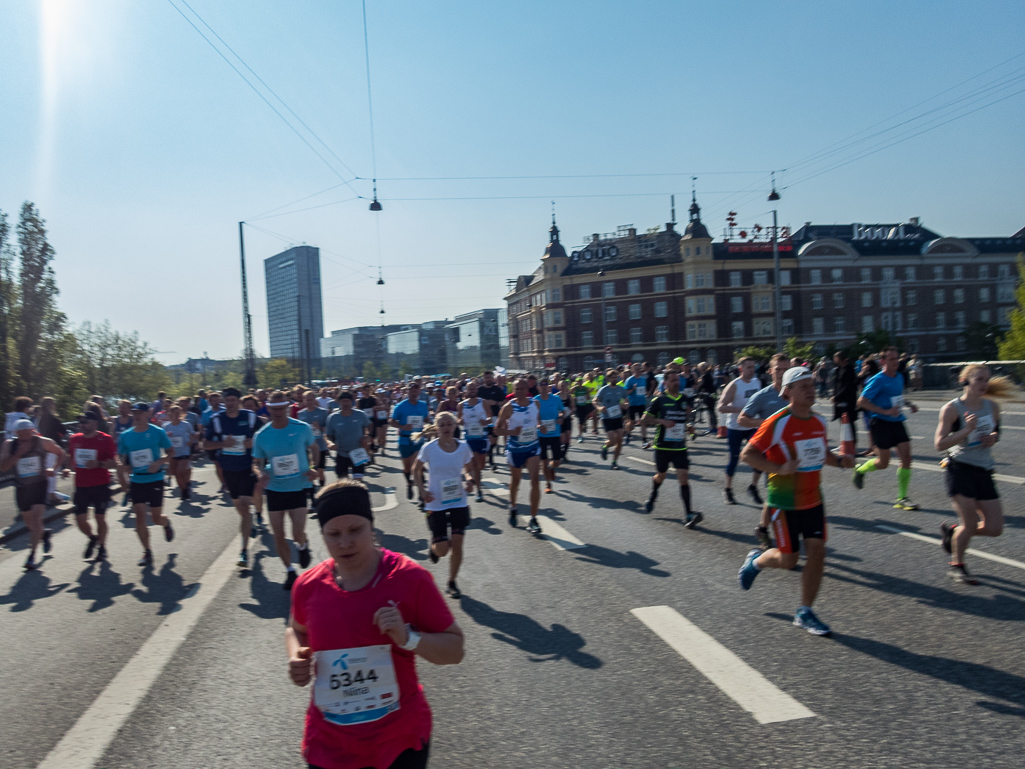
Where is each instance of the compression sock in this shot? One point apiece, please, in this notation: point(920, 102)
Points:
point(655, 486)
point(868, 467)
point(685, 496)
point(903, 479)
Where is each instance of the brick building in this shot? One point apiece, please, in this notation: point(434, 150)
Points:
point(652, 296)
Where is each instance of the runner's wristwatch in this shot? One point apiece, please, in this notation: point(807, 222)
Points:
point(412, 639)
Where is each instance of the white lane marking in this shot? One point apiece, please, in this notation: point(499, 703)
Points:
point(559, 538)
point(1010, 427)
point(1002, 413)
point(938, 541)
point(734, 677)
point(495, 486)
point(85, 743)
point(996, 476)
point(390, 501)
point(638, 459)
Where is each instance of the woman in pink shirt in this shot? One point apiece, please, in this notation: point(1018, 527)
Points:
point(359, 619)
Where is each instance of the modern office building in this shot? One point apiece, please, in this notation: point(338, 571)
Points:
point(478, 340)
point(295, 316)
point(348, 349)
point(423, 348)
point(628, 296)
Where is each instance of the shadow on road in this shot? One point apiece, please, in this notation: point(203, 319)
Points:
point(631, 559)
point(530, 636)
point(414, 548)
point(271, 602)
point(165, 587)
point(486, 525)
point(101, 587)
point(32, 586)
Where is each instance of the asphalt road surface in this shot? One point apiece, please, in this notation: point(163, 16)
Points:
point(617, 639)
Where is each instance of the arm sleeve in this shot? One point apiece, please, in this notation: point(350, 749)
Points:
point(762, 439)
point(749, 409)
point(871, 388)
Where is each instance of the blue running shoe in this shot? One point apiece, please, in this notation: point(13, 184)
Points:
point(806, 618)
point(748, 572)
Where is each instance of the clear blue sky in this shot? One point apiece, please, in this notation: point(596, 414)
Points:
point(143, 149)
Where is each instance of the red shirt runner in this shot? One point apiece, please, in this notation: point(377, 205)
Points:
point(100, 447)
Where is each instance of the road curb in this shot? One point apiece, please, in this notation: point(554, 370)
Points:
point(49, 517)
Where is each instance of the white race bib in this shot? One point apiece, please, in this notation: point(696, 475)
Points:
point(897, 401)
point(286, 466)
point(677, 432)
point(984, 426)
point(84, 455)
point(528, 434)
point(177, 441)
point(581, 400)
point(28, 466)
point(451, 490)
point(475, 430)
point(359, 457)
point(141, 458)
point(238, 448)
point(811, 454)
point(355, 686)
point(382, 414)
point(613, 412)
point(548, 425)
point(688, 392)
point(415, 422)
point(317, 432)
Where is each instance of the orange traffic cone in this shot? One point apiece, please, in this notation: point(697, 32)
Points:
point(847, 447)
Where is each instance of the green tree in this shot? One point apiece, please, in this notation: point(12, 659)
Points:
point(405, 368)
point(795, 348)
point(873, 341)
point(275, 373)
point(370, 371)
point(7, 307)
point(758, 352)
point(384, 370)
point(117, 364)
point(982, 340)
point(1012, 346)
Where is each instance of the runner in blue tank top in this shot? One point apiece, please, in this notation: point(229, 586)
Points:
point(518, 420)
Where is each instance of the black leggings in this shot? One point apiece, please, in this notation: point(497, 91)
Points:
point(408, 759)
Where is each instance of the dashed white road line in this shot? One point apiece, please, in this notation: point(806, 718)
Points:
point(559, 538)
point(85, 743)
point(996, 476)
point(638, 459)
point(938, 541)
point(734, 677)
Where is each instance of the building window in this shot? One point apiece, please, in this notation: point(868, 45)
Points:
point(737, 329)
point(838, 301)
point(984, 316)
point(941, 320)
point(937, 272)
point(787, 325)
point(585, 291)
point(959, 319)
point(912, 345)
point(661, 309)
point(958, 272)
point(636, 335)
point(911, 298)
point(611, 336)
point(735, 279)
point(836, 275)
point(784, 277)
point(866, 298)
point(941, 344)
point(867, 324)
point(839, 326)
point(661, 334)
point(635, 312)
point(697, 250)
point(866, 274)
point(984, 294)
point(958, 296)
point(660, 283)
point(703, 280)
point(961, 343)
point(983, 272)
point(1005, 292)
point(587, 339)
point(633, 286)
point(585, 315)
point(736, 304)
point(939, 296)
point(912, 321)
point(761, 303)
point(909, 273)
point(688, 280)
point(888, 275)
point(816, 301)
point(763, 327)
point(786, 302)
point(818, 326)
point(610, 313)
point(815, 277)
point(761, 278)
point(608, 289)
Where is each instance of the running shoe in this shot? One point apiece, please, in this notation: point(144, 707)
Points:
point(512, 516)
point(533, 526)
point(805, 618)
point(959, 573)
point(727, 494)
point(626, 440)
point(453, 590)
point(615, 465)
point(650, 504)
point(762, 535)
point(304, 556)
point(101, 554)
point(169, 532)
point(693, 519)
point(30, 563)
point(409, 491)
point(432, 555)
point(147, 558)
point(905, 503)
point(604, 451)
point(748, 572)
point(90, 547)
point(480, 496)
point(243, 560)
point(646, 446)
point(289, 580)
point(259, 518)
point(47, 544)
point(947, 529)
point(858, 479)
point(580, 439)
point(752, 491)
point(549, 489)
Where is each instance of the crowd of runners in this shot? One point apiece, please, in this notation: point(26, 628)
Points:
point(271, 449)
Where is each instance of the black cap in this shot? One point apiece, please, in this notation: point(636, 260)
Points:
point(140, 406)
point(89, 416)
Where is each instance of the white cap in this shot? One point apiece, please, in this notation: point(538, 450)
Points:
point(795, 374)
point(24, 424)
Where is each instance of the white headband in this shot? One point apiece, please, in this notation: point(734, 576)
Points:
point(282, 403)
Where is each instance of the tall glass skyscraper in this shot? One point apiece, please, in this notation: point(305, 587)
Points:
point(295, 316)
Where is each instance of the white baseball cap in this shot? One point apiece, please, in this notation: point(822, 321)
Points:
point(795, 374)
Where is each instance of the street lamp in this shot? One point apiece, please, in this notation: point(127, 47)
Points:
point(777, 294)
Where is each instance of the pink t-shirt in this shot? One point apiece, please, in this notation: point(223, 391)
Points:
point(338, 619)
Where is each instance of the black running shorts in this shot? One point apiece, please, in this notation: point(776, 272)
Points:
point(886, 435)
point(96, 497)
point(151, 493)
point(665, 457)
point(788, 526)
point(970, 481)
